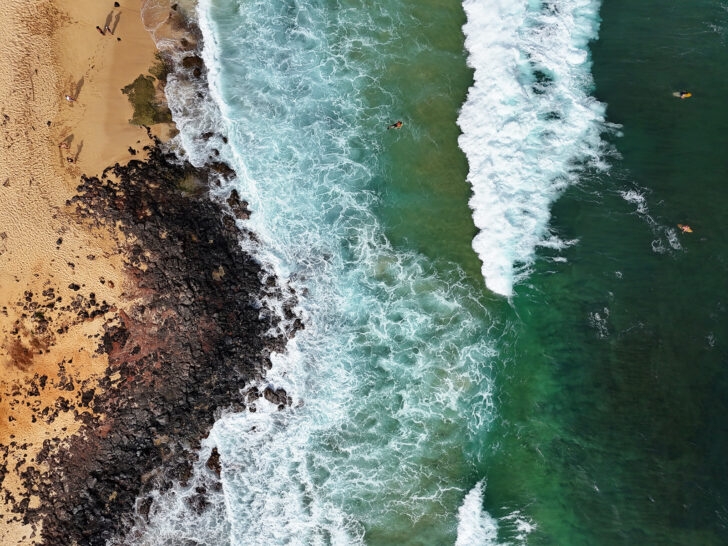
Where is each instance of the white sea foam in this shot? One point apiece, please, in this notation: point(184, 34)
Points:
point(173, 517)
point(672, 239)
point(637, 198)
point(529, 125)
point(520, 526)
point(600, 322)
point(476, 527)
point(392, 356)
point(667, 238)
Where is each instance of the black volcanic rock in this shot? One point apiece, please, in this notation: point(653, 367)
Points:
point(184, 352)
point(238, 206)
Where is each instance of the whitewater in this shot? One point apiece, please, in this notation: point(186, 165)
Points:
point(392, 378)
point(530, 126)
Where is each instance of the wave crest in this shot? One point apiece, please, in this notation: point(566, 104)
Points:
point(529, 125)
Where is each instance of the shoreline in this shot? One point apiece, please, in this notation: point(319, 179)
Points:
point(130, 314)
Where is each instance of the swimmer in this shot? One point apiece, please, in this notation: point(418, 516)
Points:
point(395, 126)
point(685, 228)
point(682, 94)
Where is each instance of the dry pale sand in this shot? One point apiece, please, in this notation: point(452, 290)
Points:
point(49, 263)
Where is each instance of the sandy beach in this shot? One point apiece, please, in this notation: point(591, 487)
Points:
point(51, 268)
point(130, 314)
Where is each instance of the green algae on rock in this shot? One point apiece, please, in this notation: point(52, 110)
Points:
point(148, 110)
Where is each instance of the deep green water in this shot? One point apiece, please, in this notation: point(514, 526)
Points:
point(618, 436)
point(607, 367)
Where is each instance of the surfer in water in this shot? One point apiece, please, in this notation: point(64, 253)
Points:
point(685, 228)
point(396, 125)
point(682, 94)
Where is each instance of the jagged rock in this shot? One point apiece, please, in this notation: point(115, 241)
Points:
point(213, 463)
point(176, 358)
point(279, 397)
point(223, 169)
point(193, 61)
point(238, 206)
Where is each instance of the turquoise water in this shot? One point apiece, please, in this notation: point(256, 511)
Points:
point(393, 367)
point(507, 339)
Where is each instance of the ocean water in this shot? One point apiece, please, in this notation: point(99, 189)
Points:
point(612, 409)
point(392, 370)
point(507, 339)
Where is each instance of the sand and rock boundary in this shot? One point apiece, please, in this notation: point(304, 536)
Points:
point(130, 316)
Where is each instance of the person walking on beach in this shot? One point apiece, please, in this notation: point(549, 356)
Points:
point(101, 31)
point(69, 98)
point(107, 29)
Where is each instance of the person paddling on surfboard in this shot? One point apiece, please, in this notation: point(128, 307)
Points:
point(682, 94)
point(685, 228)
point(396, 125)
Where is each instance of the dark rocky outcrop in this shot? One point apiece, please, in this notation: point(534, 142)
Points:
point(177, 358)
point(238, 206)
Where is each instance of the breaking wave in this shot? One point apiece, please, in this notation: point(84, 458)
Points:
point(529, 125)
